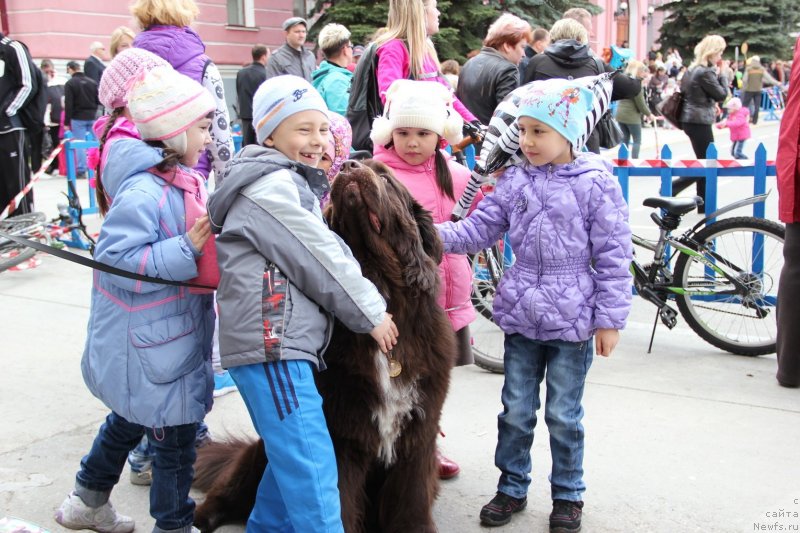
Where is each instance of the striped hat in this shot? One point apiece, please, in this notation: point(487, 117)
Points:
point(164, 104)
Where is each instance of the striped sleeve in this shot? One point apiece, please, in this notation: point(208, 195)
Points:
point(26, 78)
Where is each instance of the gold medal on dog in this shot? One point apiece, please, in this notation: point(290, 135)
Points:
point(395, 368)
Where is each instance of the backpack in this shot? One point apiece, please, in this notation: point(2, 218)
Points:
point(364, 103)
point(32, 111)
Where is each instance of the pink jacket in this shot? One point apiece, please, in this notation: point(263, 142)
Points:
point(454, 271)
point(394, 63)
point(739, 123)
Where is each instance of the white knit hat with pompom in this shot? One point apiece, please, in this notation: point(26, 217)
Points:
point(418, 104)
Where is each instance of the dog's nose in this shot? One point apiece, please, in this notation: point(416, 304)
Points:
point(350, 165)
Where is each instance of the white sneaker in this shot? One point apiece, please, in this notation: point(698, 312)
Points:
point(74, 514)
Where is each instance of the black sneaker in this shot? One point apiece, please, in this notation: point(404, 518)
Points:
point(566, 516)
point(498, 511)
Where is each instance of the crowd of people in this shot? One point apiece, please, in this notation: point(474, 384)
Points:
point(155, 354)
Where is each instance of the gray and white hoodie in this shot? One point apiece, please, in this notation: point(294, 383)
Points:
point(284, 273)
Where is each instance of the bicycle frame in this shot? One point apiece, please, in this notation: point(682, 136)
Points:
point(647, 284)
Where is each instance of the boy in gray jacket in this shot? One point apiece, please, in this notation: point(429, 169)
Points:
point(284, 275)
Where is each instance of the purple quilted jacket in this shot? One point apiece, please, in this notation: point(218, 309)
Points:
point(184, 50)
point(568, 227)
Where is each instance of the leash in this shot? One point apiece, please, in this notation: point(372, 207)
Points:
point(97, 265)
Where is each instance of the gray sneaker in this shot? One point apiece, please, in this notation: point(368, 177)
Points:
point(144, 478)
point(74, 514)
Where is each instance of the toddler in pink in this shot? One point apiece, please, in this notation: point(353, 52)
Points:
point(738, 122)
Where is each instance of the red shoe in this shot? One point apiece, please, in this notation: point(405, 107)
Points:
point(447, 468)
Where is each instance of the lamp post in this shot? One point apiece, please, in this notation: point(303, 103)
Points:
point(622, 10)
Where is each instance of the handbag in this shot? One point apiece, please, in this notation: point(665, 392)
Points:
point(608, 131)
point(671, 109)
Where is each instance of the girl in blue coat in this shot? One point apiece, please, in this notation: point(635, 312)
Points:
point(568, 226)
point(147, 355)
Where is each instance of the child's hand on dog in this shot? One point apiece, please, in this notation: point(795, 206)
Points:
point(385, 334)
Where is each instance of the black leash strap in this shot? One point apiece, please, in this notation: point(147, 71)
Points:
point(91, 263)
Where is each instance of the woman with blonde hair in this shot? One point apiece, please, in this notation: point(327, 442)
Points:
point(703, 87)
point(405, 49)
point(166, 33)
point(487, 78)
point(569, 57)
point(121, 39)
point(630, 111)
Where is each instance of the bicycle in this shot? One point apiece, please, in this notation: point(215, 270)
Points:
point(724, 280)
point(35, 226)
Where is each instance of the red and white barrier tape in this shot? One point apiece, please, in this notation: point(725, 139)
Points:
point(687, 163)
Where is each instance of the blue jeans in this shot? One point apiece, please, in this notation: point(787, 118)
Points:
point(141, 457)
point(635, 131)
point(79, 130)
point(170, 503)
point(299, 490)
point(564, 365)
point(737, 150)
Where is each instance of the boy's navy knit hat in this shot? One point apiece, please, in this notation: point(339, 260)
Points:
point(564, 105)
point(280, 97)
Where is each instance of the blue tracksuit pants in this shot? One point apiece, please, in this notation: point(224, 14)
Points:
point(299, 491)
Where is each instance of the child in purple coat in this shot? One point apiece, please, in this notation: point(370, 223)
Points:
point(738, 122)
point(569, 290)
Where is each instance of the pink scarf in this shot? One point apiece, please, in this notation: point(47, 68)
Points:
point(195, 196)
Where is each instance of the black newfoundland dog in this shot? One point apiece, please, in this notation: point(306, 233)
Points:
point(383, 428)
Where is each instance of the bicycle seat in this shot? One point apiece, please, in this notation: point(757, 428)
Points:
point(674, 206)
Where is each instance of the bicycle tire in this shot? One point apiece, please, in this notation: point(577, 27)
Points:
point(11, 253)
point(487, 348)
point(731, 322)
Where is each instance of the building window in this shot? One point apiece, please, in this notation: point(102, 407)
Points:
point(241, 13)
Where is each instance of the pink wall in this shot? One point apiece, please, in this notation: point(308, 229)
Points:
point(606, 27)
point(63, 30)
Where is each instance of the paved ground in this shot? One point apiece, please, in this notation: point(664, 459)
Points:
point(684, 439)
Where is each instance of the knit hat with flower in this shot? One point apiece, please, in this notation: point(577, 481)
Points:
point(339, 143)
point(418, 104)
point(563, 105)
point(164, 104)
point(280, 97)
point(112, 91)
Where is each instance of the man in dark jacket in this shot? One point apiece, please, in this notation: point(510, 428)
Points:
point(569, 56)
point(94, 65)
point(540, 41)
point(16, 88)
point(488, 77)
point(80, 106)
point(247, 81)
point(292, 58)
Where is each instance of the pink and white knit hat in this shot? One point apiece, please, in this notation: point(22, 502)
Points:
point(164, 103)
point(125, 66)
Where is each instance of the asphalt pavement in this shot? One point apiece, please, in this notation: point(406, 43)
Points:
point(686, 438)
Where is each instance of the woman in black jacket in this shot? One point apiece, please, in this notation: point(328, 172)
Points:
point(702, 87)
point(569, 57)
point(488, 77)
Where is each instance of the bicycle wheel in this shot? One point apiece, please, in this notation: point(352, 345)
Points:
point(487, 338)
point(11, 253)
point(750, 251)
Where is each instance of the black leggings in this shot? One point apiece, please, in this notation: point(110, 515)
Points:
point(701, 135)
point(464, 347)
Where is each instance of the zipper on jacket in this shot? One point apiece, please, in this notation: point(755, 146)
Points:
point(541, 222)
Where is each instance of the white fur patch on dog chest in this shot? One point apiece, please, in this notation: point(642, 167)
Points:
point(400, 399)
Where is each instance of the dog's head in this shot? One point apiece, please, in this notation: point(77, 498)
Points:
point(388, 231)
